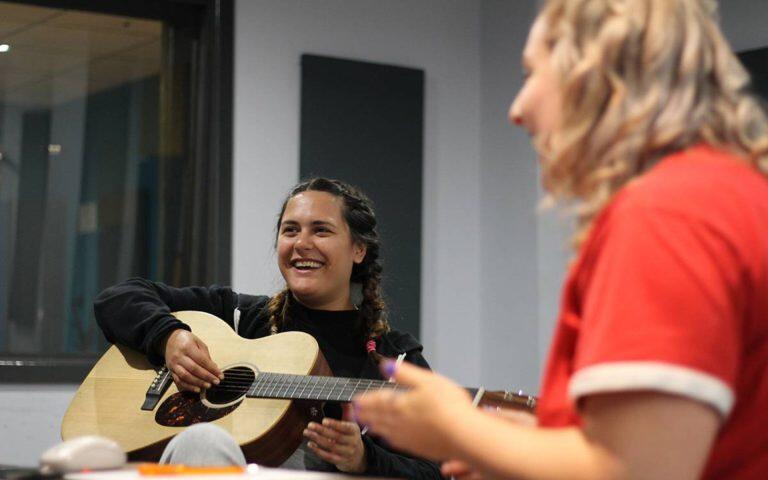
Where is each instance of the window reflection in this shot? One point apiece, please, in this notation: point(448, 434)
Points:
point(79, 97)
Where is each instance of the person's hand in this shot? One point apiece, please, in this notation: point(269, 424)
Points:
point(190, 363)
point(459, 470)
point(519, 417)
point(339, 443)
point(417, 420)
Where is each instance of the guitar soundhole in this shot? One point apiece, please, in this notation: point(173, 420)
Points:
point(183, 409)
point(236, 382)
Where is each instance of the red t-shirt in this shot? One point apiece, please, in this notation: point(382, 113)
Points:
point(670, 293)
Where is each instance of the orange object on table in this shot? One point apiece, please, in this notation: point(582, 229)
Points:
point(163, 469)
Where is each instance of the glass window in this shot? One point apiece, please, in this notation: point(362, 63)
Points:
point(115, 161)
point(79, 146)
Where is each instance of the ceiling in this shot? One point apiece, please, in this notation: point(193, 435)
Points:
point(58, 55)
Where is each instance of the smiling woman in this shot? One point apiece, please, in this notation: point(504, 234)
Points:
point(326, 242)
point(316, 250)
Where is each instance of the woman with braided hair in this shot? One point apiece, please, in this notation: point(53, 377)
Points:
point(327, 247)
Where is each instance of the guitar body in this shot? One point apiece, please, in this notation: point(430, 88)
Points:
point(110, 398)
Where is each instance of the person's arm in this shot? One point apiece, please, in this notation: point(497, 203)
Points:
point(384, 461)
point(137, 312)
point(625, 436)
point(634, 435)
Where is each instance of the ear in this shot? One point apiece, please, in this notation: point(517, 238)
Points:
point(358, 252)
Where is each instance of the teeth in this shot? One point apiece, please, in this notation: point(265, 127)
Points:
point(307, 264)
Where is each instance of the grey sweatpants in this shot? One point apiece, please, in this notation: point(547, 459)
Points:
point(210, 445)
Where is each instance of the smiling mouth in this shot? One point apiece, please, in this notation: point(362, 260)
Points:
point(302, 264)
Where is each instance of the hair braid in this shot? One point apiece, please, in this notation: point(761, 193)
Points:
point(372, 307)
point(277, 309)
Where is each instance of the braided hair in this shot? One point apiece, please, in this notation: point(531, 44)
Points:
point(357, 211)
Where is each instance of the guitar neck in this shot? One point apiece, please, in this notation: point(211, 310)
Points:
point(340, 389)
point(504, 399)
point(311, 387)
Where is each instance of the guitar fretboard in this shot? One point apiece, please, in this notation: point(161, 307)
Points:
point(310, 387)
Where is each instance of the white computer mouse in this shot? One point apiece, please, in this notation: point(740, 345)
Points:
point(90, 452)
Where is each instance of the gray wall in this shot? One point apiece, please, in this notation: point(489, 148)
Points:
point(509, 193)
point(487, 313)
point(30, 420)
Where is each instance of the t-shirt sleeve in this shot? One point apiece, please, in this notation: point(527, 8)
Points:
point(660, 308)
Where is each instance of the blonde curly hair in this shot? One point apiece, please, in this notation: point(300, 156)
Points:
point(641, 79)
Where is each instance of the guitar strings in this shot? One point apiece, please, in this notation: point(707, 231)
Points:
point(270, 385)
point(247, 378)
point(275, 389)
point(271, 378)
point(290, 378)
point(296, 378)
point(276, 385)
point(278, 390)
point(268, 378)
point(303, 386)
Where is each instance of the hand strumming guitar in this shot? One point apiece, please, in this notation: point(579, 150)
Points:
point(338, 442)
point(188, 360)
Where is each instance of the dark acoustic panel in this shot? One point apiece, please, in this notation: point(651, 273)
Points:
point(756, 62)
point(363, 123)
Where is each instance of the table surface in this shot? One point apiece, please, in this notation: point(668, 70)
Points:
point(254, 472)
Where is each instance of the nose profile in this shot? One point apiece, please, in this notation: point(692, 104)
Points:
point(515, 114)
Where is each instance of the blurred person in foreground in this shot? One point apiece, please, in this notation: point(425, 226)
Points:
point(642, 117)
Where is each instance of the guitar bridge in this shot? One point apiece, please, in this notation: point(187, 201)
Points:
point(157, 388)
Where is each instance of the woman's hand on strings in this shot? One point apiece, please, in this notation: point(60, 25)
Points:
point(189, 361)
point(338, 442)
point(416, 420)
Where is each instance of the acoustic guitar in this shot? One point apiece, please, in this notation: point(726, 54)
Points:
point(272, 387)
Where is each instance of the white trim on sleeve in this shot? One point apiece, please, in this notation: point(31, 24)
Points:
point(236, 320)
point(658, 376)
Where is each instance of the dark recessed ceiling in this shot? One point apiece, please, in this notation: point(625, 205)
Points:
point(58, 55)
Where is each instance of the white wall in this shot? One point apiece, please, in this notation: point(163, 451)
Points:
point(30, 420)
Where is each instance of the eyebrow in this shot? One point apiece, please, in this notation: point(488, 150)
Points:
point(314, 223)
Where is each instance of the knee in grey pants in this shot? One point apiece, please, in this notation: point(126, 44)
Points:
point(203, 444)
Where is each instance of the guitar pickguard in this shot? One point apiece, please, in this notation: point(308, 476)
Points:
point(185, 408)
